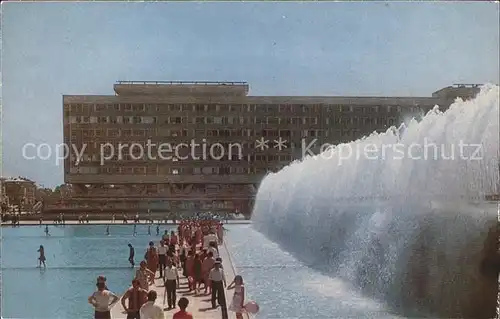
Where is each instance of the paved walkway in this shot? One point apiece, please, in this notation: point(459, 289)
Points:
point(199, 306)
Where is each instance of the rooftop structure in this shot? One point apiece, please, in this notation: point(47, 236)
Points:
point(180, 88)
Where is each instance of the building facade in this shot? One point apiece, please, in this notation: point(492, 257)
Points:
point(205, 146)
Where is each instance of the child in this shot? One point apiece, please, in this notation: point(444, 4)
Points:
point(238, 297)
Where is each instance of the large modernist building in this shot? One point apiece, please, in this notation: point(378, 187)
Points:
point(205, 146)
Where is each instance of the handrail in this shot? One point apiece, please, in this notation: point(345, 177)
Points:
point(185, 82)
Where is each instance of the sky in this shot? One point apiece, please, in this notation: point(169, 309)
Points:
point(335, 48)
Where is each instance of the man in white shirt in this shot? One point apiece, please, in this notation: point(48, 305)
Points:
point(162, 257)
point(149, 310)
point(216, 276)
point(171, 284)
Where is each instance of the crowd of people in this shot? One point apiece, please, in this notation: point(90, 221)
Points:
point(191, 252)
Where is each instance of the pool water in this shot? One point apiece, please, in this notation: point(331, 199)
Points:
point(77, 254)
point(287, 288)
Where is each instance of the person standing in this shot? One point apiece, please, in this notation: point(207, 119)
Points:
point(220, 232)
point(197, 274)
point(173, 238)
point(207, 264)
point(165, 238)
point(183, 314)
point(171, 284)
point(162, 257)
point(189, 270)
point(136, 297)
point(41, 258)
point(218, 283)
point(212, 247)
point(131, 255)
point(47, 230)
point(151, 257)
point(145, 276)
point(149, 310)
point(103, 300)
point(238, 301)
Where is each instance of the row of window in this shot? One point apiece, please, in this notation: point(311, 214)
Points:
point(152, 170)
point(285, 108)
point(193, 188)
point(201, 134)
point(228, 120)
point(234, 157)
point(202, 205)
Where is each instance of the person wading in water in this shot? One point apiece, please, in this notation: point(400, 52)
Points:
point(136, 297)
point(41, 258)
point(131, 255)
point(103, 300)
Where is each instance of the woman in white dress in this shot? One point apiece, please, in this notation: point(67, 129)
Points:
point(238, 296)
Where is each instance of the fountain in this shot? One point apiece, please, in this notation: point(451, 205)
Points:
point(402, 214)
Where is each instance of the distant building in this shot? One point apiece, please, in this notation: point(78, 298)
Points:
point(209, 113)
point(18, 192)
